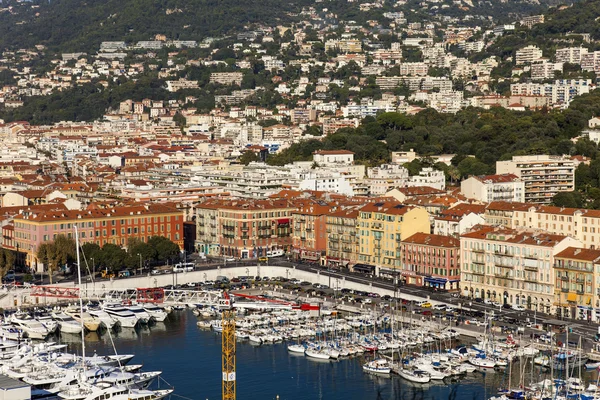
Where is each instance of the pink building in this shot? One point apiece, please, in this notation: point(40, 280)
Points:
point(432, 261)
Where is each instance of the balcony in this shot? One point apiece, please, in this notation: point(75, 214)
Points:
point(532, 278)
point(564, 290)
point(564, 278)
point(478, 273)
point(530, 268)
point(579, 292)
point(228, 227)
point(478, 251)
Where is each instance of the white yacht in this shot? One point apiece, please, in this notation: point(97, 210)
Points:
point(117, 312)
point(142, 315)
point(32, 327)
point(156, 313)
point(46, 319)
point(106, 391)
point(67, 323)
point(11, 332)
point(104, 318)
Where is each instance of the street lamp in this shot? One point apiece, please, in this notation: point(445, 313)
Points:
point(247, 271)
point(287, 273)
point(140, 263)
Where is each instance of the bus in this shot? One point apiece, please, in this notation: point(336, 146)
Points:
point(183, 267)
point(275, 253)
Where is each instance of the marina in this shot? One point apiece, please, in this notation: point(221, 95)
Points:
point(282, 367)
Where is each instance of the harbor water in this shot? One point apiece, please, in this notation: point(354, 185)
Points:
point(190, 359)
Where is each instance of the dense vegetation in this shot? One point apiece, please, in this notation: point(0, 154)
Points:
point(487, 135)
point(72, 25)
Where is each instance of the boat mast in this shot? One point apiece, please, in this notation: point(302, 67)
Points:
point(80, 295)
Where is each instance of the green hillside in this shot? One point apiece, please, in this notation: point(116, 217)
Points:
point(74, 25)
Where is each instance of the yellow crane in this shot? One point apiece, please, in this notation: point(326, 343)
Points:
point(228, 347)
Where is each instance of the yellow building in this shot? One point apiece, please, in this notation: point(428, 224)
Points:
point(381, 228)
point(575, 291)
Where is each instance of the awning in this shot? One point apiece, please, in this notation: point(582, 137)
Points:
point(436, 280)
point(572, 297)
point(364, 268)
point(283, 221)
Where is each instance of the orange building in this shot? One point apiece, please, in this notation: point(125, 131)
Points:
point(243, 228)
point(309, 236)
point(113, 225)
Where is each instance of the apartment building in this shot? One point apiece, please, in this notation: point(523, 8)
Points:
point(545, 70)
point(528, 54)
point(506, 187)
point(531, 20)
point(309, 236)
point(342, 238)
point(226, 78)
point(511, 266)
point(244, 228)
point(572, 55)
point(114, 225)
point(576, 288)
point(543, 175)
point(432, 261)
point(381, 228)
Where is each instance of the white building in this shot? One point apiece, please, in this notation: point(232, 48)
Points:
point(572, 55)
point(543, 175)
point(507, 187)
point(528, 54)
point(429, 177)
point(333, 157)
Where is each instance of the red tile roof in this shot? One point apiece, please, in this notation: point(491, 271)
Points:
point(432, 240)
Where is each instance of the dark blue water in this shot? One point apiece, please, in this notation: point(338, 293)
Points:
point(191, 361)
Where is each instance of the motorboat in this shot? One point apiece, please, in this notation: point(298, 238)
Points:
point(117, 312)
point(156, 313)
point(67, 323)
point(31, 326)
point(46, 319)
point(104, 391)
point(104, 318)
point(142, 315)
point(379, 366)
point(90, 322)
point(11, 332)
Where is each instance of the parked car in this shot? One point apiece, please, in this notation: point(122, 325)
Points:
point(424, 304)
point(439, 307)
point(518, 307)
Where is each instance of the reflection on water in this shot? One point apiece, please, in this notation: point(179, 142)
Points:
point(191, 361)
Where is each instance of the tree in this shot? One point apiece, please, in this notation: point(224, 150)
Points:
point(567, 199)
point(248, 156)
point(56, 253)
point(165, 249)
point(7, 261)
